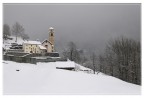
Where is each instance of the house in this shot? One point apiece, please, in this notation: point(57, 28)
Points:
point(33, 47)
point(49, 43)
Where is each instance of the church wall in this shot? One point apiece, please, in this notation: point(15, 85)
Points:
point(49, 49)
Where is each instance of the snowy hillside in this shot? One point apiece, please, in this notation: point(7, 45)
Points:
point(19, 40)
point(44, 78)
point(7, 43)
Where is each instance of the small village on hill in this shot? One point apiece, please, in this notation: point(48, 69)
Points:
point(77, 48)
point(29, 51)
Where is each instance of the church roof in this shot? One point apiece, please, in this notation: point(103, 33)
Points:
point(47, 41)
point(41, 47)
point(32, 42)
point(51, 28)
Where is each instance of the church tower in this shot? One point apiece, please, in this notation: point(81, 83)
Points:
point(51, 37)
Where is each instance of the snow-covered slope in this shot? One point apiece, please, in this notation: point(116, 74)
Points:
point(19, 40)
point(7, 43)
point(44, 78)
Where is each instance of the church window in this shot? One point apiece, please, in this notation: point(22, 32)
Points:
point(46, 46)
point(51, 34)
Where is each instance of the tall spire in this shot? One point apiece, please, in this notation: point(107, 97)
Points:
point(51, 36)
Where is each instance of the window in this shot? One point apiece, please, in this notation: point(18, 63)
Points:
point(51, 34)
point(46, 46)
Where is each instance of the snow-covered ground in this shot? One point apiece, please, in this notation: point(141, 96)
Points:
point(44, 78)
point(7, 43)
point(19, 40)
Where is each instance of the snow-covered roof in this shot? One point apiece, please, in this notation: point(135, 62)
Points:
point(51, 28)
point(65, 64)
point(41, 47)
point(47, 41)
point(32, 42)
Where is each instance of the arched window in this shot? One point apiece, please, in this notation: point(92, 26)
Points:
point(46, 46)
point(51, 34)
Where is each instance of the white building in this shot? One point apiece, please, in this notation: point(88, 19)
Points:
point(33, 47)
point(47, 46)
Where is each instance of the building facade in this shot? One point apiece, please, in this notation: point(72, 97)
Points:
point(47, 46)
point(33, 47)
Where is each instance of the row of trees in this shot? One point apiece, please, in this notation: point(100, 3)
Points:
point(121, 59)
point(17, 30)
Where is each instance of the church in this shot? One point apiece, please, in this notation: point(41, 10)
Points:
point(47, 46)
point(49, 43)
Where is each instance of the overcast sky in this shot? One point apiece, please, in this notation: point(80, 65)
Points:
point(88, 25)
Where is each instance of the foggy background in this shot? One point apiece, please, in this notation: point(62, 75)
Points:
point(90, 26)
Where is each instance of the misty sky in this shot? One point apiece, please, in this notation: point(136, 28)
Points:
point(90, 26)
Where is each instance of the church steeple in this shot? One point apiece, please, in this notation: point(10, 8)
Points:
point(51, 36)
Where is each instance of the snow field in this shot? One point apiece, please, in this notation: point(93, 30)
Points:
point(44, 78)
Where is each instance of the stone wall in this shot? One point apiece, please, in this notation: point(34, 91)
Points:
point(32, 58)
point(16, 53)
point(52, 54)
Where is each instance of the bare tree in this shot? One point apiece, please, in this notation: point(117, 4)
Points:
point(122, 57)
point(17, 29)
point(25, 36)
point(6, 31)
point(72, 52)
point(101, 64)
point(94, 63)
